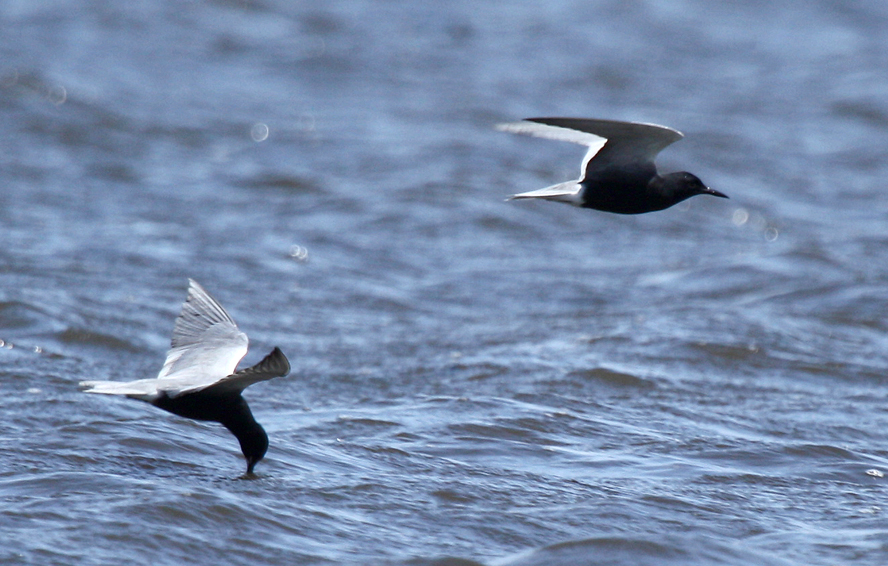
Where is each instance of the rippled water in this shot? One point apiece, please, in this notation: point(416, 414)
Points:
point(474, 381)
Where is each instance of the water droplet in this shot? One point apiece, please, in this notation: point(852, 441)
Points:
point(771, 234)
point(741, 217)
point(259, 132)
point(298, 253)
point(57, 95)
point(875, 473)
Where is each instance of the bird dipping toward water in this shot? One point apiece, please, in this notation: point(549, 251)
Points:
point(618, 173)
point(198, 379)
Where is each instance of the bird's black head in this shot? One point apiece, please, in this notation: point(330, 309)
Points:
point(233, 412)
point(254, 444)
point(683, 185)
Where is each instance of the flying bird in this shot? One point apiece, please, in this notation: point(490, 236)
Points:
point(198, 379)
point(618, 173)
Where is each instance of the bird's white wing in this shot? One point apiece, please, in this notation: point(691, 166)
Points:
point(206, 347)
point(611, 141)
point(558, 133)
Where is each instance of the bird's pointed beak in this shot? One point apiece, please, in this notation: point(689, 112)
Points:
point(714, 193)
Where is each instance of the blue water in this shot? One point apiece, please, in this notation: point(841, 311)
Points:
point(474, 381)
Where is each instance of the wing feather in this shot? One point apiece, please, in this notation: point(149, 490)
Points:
point(275, 364)
point(206, 348)
point(610, 142)
point(206, 344)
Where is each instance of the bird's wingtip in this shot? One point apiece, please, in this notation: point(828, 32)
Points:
point(275, 362)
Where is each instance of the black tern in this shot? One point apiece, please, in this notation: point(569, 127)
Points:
point(618, 173)
point(198, 379)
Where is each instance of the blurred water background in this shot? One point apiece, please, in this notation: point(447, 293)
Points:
point(474, 381)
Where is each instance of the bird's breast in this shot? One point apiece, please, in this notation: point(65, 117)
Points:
point(621, 190)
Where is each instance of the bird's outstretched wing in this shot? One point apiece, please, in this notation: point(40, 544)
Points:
point(610, 142)
point(206, 347)
point(206, 344)
point(273, 365)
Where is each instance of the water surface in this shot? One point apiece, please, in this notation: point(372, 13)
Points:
point(474, 381)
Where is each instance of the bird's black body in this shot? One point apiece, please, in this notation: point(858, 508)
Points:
point(636, 190)
point(230, 409)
